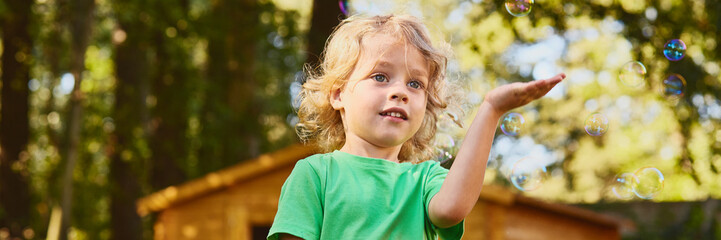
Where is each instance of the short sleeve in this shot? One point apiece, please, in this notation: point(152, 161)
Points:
point(300, 210)
point(434, 181)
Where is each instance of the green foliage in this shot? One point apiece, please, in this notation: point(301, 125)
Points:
point(680, 138)
point(3, 10)
point(261, 116)
point(181, 33)
point(664, 220)
point(196, 41)
point(280, 61)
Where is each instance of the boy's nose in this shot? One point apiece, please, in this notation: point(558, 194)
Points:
point(400, 96)
point(398, 91)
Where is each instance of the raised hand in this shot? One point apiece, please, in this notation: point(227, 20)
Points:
point(510, 96)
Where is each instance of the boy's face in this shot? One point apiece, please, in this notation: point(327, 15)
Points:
point(384, 101)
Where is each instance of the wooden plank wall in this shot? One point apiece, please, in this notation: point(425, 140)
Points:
point(499, 215)
point(227, 214)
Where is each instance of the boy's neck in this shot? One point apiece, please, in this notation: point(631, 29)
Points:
point(357, 146)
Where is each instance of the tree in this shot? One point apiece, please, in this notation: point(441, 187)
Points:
point(80, 28)
point(14, 128)
point(243, 103)
point(230, 95)
point(323, 20)
point(126, 155)
point(590, 41)
point(171, 87)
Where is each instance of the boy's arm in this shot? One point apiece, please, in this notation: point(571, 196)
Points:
point(462, 186)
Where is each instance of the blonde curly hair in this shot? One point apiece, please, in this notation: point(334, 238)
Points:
point(321, 125)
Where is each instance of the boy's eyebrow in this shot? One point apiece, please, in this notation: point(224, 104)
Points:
point(413, 71)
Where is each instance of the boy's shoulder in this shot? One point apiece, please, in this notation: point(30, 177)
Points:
point(318, 157)
point(316, 160)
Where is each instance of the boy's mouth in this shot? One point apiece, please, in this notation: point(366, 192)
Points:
point(395, 112)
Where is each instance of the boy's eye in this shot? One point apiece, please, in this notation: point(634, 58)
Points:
point(415, 84)
point(379, 78)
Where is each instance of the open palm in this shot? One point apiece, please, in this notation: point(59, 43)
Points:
point(510, 96)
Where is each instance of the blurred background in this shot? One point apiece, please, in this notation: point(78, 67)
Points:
point(104, 102)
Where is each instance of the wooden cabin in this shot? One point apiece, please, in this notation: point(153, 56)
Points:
point(240, 202)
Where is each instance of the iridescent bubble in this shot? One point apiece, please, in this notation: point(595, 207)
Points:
point(633, 74)
point(622, 185)
point(443, 140)
point(519, 8)
point(446, 122)
point(528, 174)
point(674, 86)
point(649, 182)
point(596, 124)
point(511, 123)
point(443, 144)
point(674, 49)
point(343, 4)
point(443, 155)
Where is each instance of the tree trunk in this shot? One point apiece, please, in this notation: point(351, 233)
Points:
point(14, 128)
point(169, 142)
point(325, 17)
point(80, 30)
point(231, 87)
point(131, 63)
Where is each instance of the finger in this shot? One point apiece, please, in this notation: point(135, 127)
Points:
point(551, 85)
point(539, 88)
point(536, 90)
point(556, 79)
point(552, 82)
point(540, 93)
point(543, 85)
point(542, 90)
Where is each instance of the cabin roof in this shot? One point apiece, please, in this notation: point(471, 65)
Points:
point(222, 179)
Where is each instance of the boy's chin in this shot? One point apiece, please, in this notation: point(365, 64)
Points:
point(388, 145)
point(389, 142)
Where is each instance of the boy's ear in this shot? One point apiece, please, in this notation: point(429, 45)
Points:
point(335, 99)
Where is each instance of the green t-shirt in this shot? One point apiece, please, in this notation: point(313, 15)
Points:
point(343, 196)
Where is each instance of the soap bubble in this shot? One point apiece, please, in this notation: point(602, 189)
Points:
point(443, 140)
point(648, 183)
point(443, 143)
point(446, 122)
point(343, 4)
point(596, 124)
point(674, 86)
point(633, 74)
point(511, 123)
point(519, 8)
point(443, 155)
point(674, 49)
point(528, 174)
point(622, 185)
